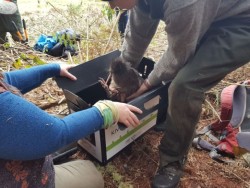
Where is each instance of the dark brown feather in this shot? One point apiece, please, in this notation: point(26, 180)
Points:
point(124, 78)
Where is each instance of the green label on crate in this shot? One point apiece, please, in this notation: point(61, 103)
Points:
point(121, 139)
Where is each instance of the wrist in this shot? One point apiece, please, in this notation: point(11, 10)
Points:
point(147, 84)
point(108, 111)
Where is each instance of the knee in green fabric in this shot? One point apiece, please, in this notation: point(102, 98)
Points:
point(186, 84)
point(186, 96)
point(177, 88)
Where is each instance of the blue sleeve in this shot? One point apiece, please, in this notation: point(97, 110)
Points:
point(28, 79)
point(27, 132)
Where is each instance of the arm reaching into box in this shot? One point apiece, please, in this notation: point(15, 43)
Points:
point(28, 133)
point(27, 79)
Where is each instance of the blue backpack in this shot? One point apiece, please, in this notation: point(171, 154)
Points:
point(64, 42)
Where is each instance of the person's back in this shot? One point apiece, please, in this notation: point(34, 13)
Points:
point(186, 23)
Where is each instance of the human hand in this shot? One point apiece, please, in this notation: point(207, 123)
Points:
point(113, 112)
point(144, 87)
point(64, 71)
point(126, 114)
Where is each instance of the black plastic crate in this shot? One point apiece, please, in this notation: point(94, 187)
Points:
point(106, 143)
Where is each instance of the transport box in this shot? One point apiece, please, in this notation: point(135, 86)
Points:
point(106, 143)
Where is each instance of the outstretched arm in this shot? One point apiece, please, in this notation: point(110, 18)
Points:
point(27, 132)
point(28, 79)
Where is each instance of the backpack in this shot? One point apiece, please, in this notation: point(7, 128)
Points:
point(60, 45)
point(230, 134)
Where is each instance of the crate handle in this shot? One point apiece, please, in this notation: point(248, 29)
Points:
point(152, 103)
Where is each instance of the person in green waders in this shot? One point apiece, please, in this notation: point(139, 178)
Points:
point(207, 39)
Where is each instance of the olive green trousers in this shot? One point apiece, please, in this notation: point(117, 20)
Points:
point(224, 48)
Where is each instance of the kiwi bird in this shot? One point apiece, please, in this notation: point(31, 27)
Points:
point(123, 80)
